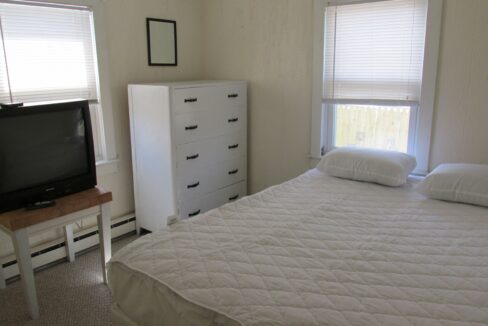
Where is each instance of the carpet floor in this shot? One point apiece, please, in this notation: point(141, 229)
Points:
point(68, 294)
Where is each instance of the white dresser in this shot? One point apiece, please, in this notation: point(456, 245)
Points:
point(188, 148)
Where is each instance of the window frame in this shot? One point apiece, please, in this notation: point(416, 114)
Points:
point(322, 115)
point(108, 163)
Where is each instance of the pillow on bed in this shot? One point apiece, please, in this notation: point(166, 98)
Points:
point(464, 183)
point(384, 167)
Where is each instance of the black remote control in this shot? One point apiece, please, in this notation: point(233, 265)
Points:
point(40, 204)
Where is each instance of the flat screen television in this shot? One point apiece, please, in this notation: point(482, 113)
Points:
point(46, 152)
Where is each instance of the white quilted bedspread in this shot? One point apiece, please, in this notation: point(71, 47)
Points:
point(318, 250)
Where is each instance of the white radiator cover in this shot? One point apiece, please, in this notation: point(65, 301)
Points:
point(80, 245)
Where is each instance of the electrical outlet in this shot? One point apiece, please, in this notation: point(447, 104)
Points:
point(172, 219)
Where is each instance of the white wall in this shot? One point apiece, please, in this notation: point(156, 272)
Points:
point(127, 45)
point(269, 44)
point(125, 27)
point(461, 113)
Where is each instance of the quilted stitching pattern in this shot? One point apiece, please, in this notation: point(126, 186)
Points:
point(318, 250)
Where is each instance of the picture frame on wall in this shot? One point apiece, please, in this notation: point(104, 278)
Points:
point(161, 42)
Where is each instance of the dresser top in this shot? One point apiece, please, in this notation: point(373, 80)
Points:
point(192, 83)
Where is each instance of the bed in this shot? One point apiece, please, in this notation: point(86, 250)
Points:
point(315, 250)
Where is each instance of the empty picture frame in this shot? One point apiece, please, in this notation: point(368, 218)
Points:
point(161, 42)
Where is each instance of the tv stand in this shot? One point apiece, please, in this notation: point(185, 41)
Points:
point(21, 223)
point(40, 204)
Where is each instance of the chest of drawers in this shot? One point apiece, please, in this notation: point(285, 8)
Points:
point(189, 151)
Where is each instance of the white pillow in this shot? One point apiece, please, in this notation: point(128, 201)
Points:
point(379, 166)
point(464, 183)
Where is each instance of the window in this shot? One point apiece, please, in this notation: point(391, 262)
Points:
point(373, 70)
point(373, 126)
point(48, 52)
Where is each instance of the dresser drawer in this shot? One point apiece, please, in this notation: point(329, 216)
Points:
point(229, 172)
point(194, 183)
point(230, 194)
point(232, 95)
point(209, 177)
point(194, 126)
point(195, 155)
point(197, 126)
point(195, 99)
point(195, 206)
point(231, 146)
point(232, 120)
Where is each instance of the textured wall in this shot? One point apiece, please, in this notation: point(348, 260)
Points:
point(460, 124)
point(127, 45)
point(125, 28)
point(269, 44)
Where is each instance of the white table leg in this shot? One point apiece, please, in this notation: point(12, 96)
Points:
point(20, 240)
point(2, 278)
point(68, 238)
point(138, 228)
point(105, 237)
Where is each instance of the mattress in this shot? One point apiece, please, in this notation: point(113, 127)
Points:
point(315, 250)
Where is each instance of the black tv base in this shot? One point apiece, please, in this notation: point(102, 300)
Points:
point(40, 204)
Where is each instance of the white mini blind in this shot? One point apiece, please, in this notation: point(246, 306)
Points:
point(48, 52)
point(375, 50)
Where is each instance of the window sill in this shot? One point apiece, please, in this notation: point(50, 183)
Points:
point(107, 167)
point(415, 178)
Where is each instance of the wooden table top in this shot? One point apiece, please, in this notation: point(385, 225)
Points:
point(22, 218)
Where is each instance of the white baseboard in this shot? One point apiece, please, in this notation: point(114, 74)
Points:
point(52, 251)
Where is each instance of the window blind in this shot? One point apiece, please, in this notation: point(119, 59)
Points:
point(375, 50)
point(49, 53)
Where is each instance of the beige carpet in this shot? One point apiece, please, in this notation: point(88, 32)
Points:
point(68, 294)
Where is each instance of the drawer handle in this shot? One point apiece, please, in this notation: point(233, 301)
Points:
point(195, 213)
point(233, 146)
point(233, 171)
point(233, 120)
point(233, 95)
point(192, 157)
point(233, 197)
point(193, 185)
point(191, 100)
point(191, 127)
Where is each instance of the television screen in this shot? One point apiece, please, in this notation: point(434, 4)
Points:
point(45, 149)
point(50, 147)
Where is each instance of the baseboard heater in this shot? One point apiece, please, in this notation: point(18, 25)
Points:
point(51, 252)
